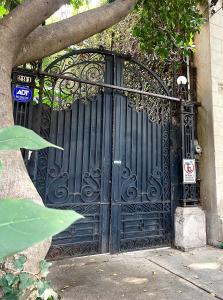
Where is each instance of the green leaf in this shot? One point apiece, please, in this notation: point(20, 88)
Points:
point(3, 11)
point(12, 296)
point(44, 267)
point(19, 262)
point(4, 284)
point(24, 223)
point(42, 286)
point(16, 137)
point(6, 287)
point(25, 281)
point(11, 278)
point(220, 245)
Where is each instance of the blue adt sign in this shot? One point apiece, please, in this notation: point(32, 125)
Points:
point(22, 94)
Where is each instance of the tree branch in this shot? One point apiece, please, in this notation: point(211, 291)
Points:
point(29, 15)
point(47, 40)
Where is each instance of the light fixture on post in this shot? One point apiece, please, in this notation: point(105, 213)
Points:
point(182, 87)
point(182, 80)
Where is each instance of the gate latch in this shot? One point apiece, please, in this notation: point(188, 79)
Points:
point(117, 162)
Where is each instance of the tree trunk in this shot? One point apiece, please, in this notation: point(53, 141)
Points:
point(14, 179)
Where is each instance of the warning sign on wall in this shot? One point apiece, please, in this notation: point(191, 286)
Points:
point(189, 171)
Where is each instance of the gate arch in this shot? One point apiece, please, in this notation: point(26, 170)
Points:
point(116, 165)
point(90, 64)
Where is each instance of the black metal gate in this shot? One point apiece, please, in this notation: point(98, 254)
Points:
point(117, 167)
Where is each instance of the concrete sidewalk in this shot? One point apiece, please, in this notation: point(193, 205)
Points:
point(158, 274)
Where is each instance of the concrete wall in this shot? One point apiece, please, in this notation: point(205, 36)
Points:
point(209, 63)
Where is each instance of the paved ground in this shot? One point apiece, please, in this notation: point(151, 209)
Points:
point(144, 275)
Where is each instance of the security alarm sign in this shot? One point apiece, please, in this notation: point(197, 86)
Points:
point(189, 171)
point(22, 93)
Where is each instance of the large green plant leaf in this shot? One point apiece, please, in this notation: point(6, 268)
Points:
point(24, 223)
point(16, 137)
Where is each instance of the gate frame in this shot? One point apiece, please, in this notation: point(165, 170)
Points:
point(186, 109)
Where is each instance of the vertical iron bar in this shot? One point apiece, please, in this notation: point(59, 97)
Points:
point(187, 138)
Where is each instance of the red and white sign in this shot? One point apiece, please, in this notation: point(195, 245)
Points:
point(189, 171)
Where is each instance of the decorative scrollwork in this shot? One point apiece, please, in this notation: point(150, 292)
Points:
point(154, 189)
point(61, 93)
point(190, 192)
point(90, 190)
point(54, 171)
point(90, 66)
point(130, 191)
point(58, 192)
point(137, 77)
point(129, 185)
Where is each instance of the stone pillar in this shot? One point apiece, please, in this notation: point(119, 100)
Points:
point(190, 228)
point(209, 64)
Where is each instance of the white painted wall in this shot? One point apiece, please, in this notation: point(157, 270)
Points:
point(209, 63)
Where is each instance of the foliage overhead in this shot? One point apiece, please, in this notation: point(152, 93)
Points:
point(168, 25)
point(164, 27)
point(7, 5)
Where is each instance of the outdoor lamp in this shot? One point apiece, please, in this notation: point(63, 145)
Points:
point(182, 87)
point(181, 80)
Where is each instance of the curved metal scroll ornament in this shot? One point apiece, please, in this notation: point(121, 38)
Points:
point(58, 192)
point(61, 93)
point(91, 183)
point(130, 192)
point(129, 185)
point(138, 77)
point(154, 189)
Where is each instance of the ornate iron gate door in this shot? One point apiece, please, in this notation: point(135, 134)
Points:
point(141, 192)
point(115, 167)
point(78, 178)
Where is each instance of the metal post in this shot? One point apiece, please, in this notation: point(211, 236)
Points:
point(189, 195)
point(187, 136)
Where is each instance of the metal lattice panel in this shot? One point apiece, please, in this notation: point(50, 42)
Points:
point(140, 78)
